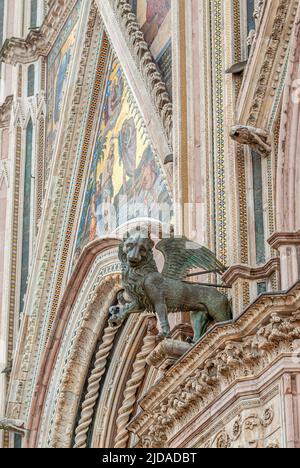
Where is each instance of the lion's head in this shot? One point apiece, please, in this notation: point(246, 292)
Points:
point(240, 134)
point(138, 249)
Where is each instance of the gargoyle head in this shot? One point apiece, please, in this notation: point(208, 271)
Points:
point(240, 134)
point(138, 248)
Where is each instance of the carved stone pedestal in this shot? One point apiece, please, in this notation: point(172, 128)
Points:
point(167, 353)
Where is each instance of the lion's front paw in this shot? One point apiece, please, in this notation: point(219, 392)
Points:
point(163, 336)
point(116, 317)
point(115, 320)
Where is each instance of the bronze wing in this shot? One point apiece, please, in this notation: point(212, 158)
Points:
point(182, 255)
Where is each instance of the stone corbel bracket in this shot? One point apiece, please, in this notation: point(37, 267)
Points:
point(146, 64)
point(40, 40)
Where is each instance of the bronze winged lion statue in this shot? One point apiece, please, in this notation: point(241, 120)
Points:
point(167, 292)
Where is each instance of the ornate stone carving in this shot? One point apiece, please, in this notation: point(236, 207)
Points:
point(4, 172)
point(246, 433)
point(274, 43)
point(5, 112)
point(39, 41)
point(147, 65)
point(236, 272)
point(256, 138)
point(12, 425)
point(266, 65)
point(259, 10)
point(224, 364)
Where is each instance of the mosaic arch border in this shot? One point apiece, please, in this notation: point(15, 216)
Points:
point(28, 352)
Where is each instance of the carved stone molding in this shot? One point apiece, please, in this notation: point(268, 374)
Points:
point(252, 429)
point(279, 239)
point(266, 64)
point(237, 272)
point(258, 11)
point(5, 112)
point(227, 354)
point(12, 425)
point(39, 41)
point(94, 382)
point(133, 384)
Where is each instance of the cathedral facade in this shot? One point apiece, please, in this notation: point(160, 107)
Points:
point(178, 117)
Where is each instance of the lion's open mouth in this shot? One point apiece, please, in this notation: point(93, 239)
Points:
point(134, 263)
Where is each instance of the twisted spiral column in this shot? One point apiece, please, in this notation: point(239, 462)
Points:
point(139, 370)
point(94, 386)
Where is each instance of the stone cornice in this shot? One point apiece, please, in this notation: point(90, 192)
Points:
point(236, 272)
point(5, 112)
point(266, 331)
point(39, 41)
point(279, 239)
point(266, 64)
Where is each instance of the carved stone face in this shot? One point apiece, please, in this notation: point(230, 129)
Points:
point(138, 249)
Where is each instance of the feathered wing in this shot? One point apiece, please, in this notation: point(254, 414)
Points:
point(182, 255)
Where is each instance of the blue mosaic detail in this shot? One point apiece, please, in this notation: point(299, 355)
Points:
point(26, 214)
point(258, 209)
point(33, 13)
point(30, 80)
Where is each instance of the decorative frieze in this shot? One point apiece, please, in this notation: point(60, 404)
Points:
point(226, 354)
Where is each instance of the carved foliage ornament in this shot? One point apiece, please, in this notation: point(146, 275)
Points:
point(246, 433)
point(238, 359)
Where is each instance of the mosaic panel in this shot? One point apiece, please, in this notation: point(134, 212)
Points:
point(125, 180)
point(26, 214)
point(59, 61)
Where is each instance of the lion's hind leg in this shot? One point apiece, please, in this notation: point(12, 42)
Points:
point(200, 320)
